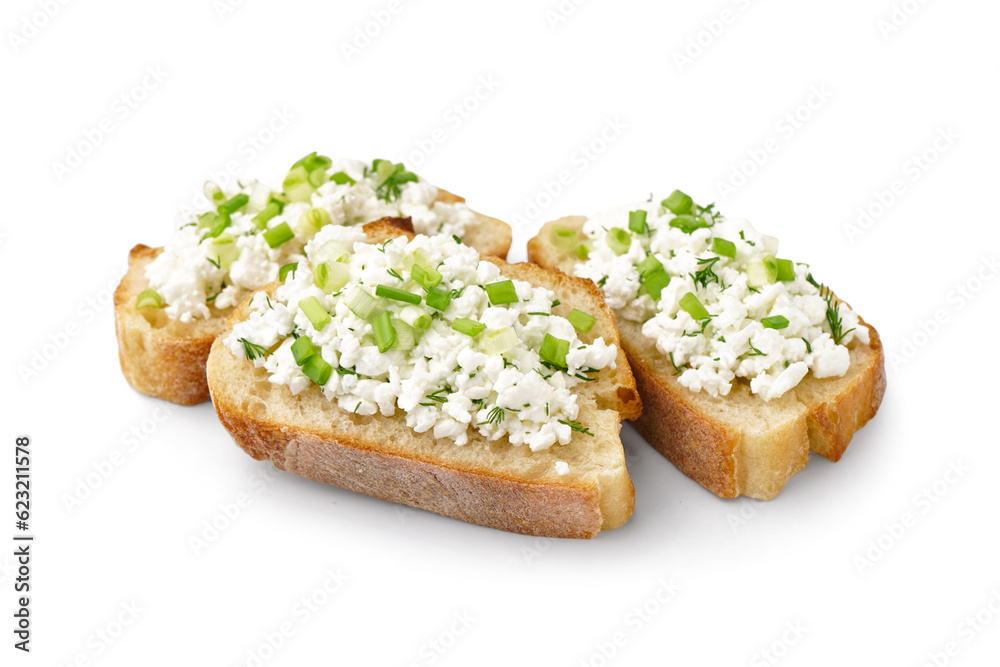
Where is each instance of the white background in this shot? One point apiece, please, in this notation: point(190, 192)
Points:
point(830, 557)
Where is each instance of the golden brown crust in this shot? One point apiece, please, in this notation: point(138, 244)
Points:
point(167, 359)
point(157, 359)
point(316, 439)
point(736, 452)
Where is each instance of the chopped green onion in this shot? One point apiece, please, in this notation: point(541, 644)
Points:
point(234, 204)
point(416, 317)
point(340, 178)
point(213, 192)
point(316, 369)
point(563, 238)
point(278, 234)
point(361, 303)
point(272, 209)
point(688, 223)
point(501, 292)
point(762, 271)
point(425, 276)
point(786, 270)
point(216, 223)
point(317, 178)
point(654, 282)
point(438, 298)
point(315, 218)
point(775, 322)
point(637, 221)
point(330, 252)
point(723, 247)
point(649, 265)
point(406, 336)
point(148, 299)
point(581, 321)
point(302, 349)
point(691, 304)
point(397, 294)
point(315, 311)
point(499, 341)
point(297, 186)
point(331, 277)
point(223, 251)
point(554, 350)
point(619, 240)
point(468, 327)
point(385, 335)
point(313, 161)
point(677, 203)
point(286, 269)
point(653, 276)
point(583, 249)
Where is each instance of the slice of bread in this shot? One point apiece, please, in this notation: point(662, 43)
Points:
point(488, 483)
point(739, 444)
point(166, 358)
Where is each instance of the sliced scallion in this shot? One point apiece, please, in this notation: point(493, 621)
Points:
point(302, 349)
point(340, 178)
point(397, 294)
point(499, 341)
point(468, 327)
point(581, 321)
point(554, 350)
point(286, 269)
point(406, 336)
point(296, 185)
point(563, 238)
point(425, 276)
point(723, 247)
point(775, 322)
point(619, 240)
point(278, 234)
point(316, 369)
point(677, 203)
point(361, 303)
point(148, 299)
point(315, 218)
point(416, 317)
point(234, 204)
point(786, 270)
point(501, 292)
point(214, 193)
point(692, 305)
point(637, 221)
point(330, 277)
point(438, 298)
point(315, 311)
point(688, 223)
point(272, 209)
point(385, 335)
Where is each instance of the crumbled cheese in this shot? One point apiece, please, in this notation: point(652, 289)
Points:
point(190, 284)
point(734, 343)
point(448, 383)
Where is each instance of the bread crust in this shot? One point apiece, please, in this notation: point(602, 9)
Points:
point(346, 450)
point(728, 456)
point(167, 359)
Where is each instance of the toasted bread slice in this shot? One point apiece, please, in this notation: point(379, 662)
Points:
point(738, 444)
point(165, 358)
point(488, 483)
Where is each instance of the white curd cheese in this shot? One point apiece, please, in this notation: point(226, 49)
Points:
point(742, 319)
point(450, 381)
point(191, 276)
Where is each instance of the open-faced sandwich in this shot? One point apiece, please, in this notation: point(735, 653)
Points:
point(744, 361)
point(412, 369)
point(173, 301)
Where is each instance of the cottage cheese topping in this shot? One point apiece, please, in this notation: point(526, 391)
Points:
point(197, 271)
point(765, 328)
point(449, 382)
